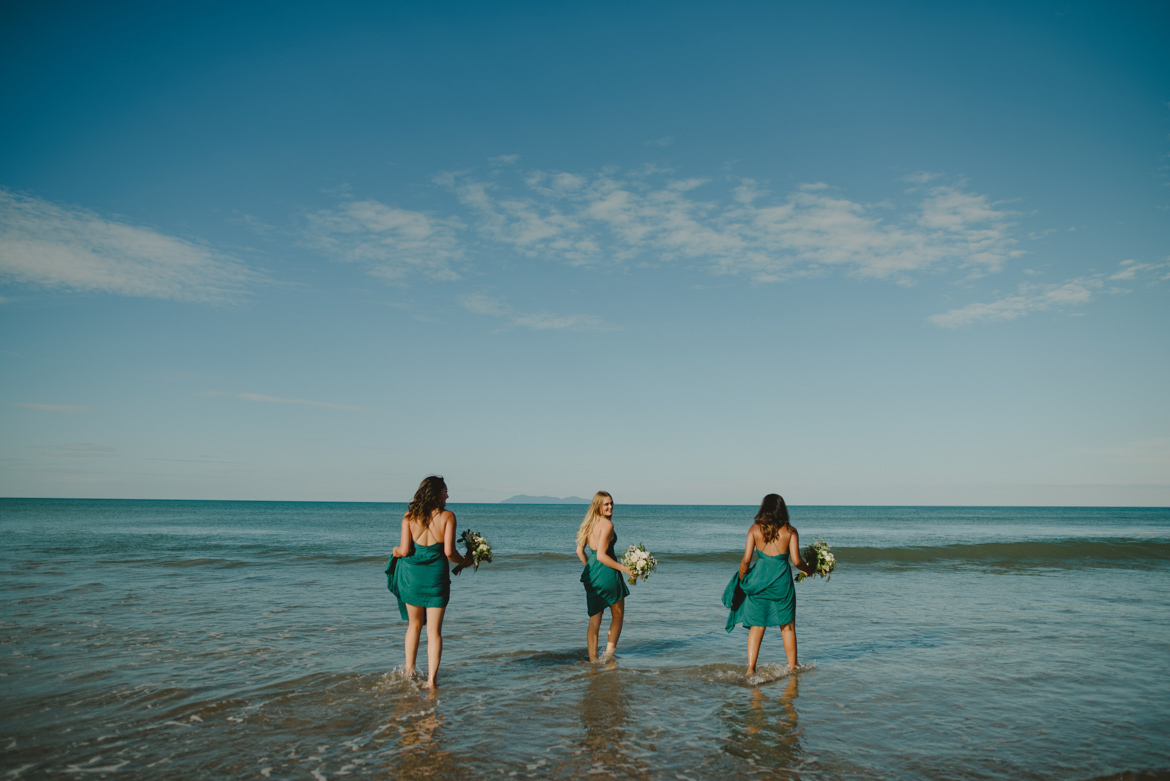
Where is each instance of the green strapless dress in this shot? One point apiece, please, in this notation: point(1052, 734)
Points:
point(421, 579)
point(765, 596)
point(603, 585)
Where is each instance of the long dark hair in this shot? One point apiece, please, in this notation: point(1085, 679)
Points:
point(427, 499)
point(773, 516)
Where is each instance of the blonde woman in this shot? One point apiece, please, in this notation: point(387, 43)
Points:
point(604, 585)
point(417, 572)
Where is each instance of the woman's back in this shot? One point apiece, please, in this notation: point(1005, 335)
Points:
point(602, 536)
point(432, 533)
point(778, 545)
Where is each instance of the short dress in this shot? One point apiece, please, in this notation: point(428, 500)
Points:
point(603, 585)
point(421, 579)
point(764, 597)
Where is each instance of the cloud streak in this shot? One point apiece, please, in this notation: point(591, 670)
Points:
point(1032, 297)
point(481, 304)
point(391, 243)
point(54, 246)
point(651, 216)
point(65, 408)
point(80, 450)
point(261, 398)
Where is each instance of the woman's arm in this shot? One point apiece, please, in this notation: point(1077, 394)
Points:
point(449, 548)
point(603, 556)
point(794, 555)
point(403, 548)
point(748, 550)
point(581, 554)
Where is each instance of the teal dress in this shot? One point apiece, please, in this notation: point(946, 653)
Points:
point(420, 579)
point(603, 585)
point(765, 596)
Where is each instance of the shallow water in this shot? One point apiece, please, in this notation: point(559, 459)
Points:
point(258, 639)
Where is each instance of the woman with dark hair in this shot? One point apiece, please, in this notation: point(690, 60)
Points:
point(602, 575)
point(417, 572)
point(762, 595)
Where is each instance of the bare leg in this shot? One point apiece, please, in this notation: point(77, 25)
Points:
point(591, 635)
point(755, 637)
point(415, 616)
point(434, 643)
point(617, 613)
point(788, 632)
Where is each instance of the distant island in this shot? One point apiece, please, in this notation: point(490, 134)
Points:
point(526, 499)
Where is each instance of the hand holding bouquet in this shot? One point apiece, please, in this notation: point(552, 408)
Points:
point(477, 549)
point(820, 557)
point(640, 563)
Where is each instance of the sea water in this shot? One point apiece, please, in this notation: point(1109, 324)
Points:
point(196, 639)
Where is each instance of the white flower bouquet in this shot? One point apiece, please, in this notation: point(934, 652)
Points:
point(820, 556)
point(477, 548)
point(640, 562)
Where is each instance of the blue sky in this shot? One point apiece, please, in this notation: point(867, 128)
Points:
point(857, 253)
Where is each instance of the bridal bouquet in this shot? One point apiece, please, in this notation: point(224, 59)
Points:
point(477, 548)
point(820, 556)
point(640, 562)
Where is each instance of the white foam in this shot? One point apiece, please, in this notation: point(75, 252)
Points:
point(766, 673)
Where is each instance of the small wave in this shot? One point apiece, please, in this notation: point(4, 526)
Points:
point(1105, 552)
point(1055, 553)
point(735, 673)
point(540, 658)
point(398, 679)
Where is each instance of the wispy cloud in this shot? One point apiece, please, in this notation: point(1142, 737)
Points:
point(259, 397)
point(482, 304)
point(79, 450)
point(1149, 452)
point(664, 141)
point(1132, 270)
point(652, 216)
point(504, 159)
point(1033, 297)
point(1030, 298)
point(391, 242)
point(65, 247)
point(66, 408)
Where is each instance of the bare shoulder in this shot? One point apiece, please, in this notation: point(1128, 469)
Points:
point(792, 530)
point(446, 517)
point(755, 532)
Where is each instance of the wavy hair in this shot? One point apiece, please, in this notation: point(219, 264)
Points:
point(591, 517)
point(773, 516)
point(427, 499)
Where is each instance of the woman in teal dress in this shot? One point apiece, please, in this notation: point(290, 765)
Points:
point(417, 572)
point(761, 596)
point(604, 586)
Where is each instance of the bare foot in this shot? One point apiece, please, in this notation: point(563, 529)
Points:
point(431, 684)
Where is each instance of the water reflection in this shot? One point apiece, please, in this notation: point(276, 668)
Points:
point(607, 747)
point(763, 731)
point(419, 751)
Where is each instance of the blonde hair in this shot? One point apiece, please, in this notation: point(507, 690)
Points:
point(591, 517)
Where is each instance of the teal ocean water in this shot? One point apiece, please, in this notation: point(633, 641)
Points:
point(197, 639)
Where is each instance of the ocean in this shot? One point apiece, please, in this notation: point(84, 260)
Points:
point(144, 639)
